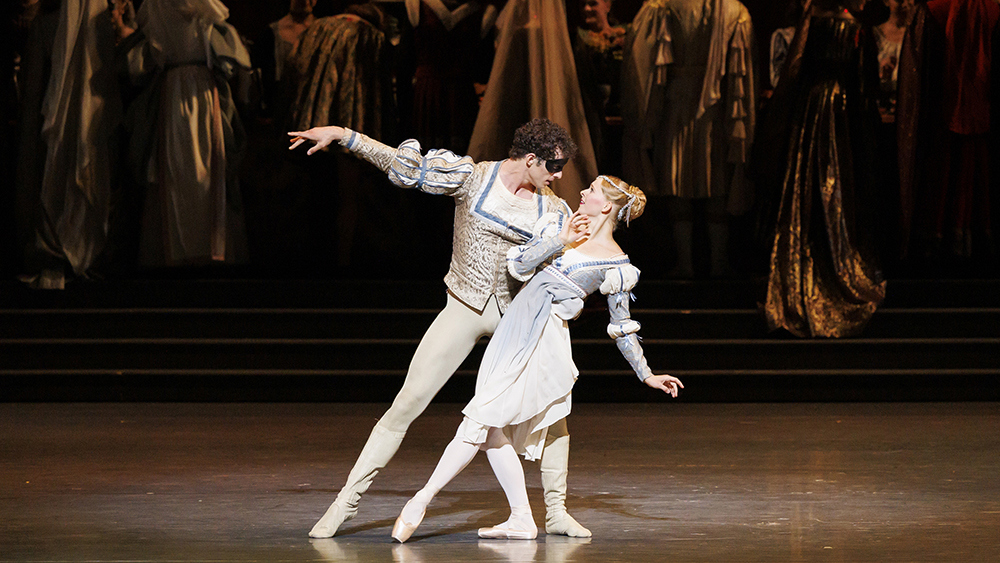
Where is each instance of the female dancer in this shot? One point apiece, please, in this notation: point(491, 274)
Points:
point(527, 372)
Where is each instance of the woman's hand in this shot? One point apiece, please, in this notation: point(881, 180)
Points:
point(575, 229)
point(322, 136)
point(666, 383)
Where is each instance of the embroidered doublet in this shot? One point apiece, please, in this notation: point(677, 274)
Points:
point(489, 220)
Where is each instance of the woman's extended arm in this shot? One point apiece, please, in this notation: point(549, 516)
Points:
point(617, 286)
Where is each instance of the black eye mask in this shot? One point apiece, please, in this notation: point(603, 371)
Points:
point(555, 165)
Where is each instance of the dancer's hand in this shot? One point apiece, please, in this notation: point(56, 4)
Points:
point(575, 229)
point(666, 383)
point(322, 136)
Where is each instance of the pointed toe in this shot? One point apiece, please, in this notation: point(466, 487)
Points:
point(402, 530)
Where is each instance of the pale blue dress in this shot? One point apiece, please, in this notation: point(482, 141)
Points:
point(527, 374)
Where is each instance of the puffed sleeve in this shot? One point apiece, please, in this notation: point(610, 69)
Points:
point(524, 259)
point(617, 285)
point(440, 171)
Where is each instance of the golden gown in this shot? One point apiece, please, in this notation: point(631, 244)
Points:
point(823, 280)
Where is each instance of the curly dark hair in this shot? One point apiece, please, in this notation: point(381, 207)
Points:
point(543, 138)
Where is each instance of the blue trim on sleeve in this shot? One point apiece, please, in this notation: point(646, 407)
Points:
point(352, 141)
point(423, 172)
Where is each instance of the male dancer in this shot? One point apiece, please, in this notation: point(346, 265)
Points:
point(496, 207)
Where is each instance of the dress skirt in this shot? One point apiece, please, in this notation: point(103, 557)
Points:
point(527, 373)
point(824, 281)
point(185, 218)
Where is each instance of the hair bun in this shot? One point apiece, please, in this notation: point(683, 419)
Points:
point(639, 204)
point(627, 197)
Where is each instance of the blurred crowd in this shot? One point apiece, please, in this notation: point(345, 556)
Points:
point(821, 144)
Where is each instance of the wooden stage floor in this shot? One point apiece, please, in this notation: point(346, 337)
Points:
point(670, 482)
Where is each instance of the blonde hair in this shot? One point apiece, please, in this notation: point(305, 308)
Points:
point(630, 200)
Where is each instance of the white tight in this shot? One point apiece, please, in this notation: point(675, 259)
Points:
point(443, 348)
point(502, 457)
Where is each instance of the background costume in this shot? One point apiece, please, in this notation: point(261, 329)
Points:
point(344, 76)
point(273, 53)
point(781, 39)
point(449, 46)
point(533, 76)
point(489, 220)
point(599, 56)
point(689, 97)
point(889, 37)
point(343, 70)
point(67, 192)
point(945, 115)
point(814, 156)
point(186, 134)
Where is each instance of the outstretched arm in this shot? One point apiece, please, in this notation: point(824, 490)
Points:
point(623, 330)
point(437, 172)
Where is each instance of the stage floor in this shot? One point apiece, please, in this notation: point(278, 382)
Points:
point(667, 482)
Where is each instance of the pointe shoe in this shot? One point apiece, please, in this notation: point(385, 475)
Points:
point(506, 532)
point(402, 530)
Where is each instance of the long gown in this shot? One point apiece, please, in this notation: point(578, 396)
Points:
point(186, 134)
point(527, 373)
point(344, 77)
point(823, 280)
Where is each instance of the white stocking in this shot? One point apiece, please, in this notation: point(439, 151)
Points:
point(455, 458)
point(507, 468)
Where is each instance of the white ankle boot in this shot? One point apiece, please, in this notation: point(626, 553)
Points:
point(554, 467)
point(381, 446)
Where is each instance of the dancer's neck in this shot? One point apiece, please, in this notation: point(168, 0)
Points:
point(514, 176)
